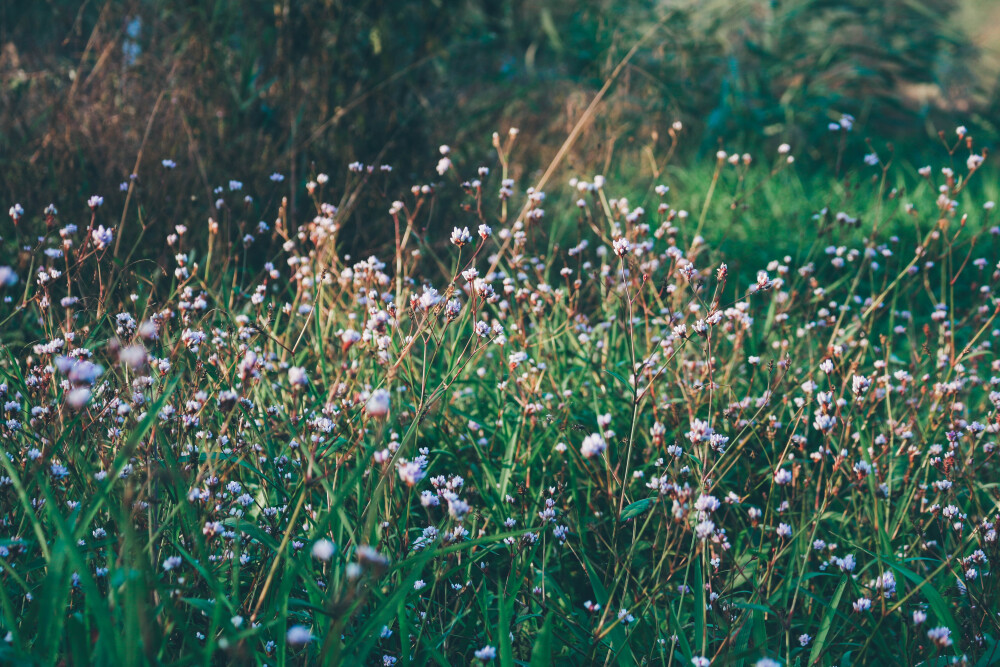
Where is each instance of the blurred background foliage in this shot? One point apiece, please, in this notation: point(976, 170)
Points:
point(240, 89)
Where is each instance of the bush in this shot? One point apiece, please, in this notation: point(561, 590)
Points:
point(241, 90)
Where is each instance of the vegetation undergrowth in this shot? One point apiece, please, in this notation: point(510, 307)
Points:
point(594, 425)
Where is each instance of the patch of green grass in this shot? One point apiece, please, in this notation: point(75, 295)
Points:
point(585, 432)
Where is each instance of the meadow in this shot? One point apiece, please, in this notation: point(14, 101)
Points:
point(727, 414)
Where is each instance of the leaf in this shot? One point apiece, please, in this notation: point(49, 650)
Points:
point(505, 648)
point(824, 627)
point(620, 641)
point(742, 644)
point(992, 655)
point(625, 382)
point(758, 629)
point(368, 635)
point(751, 605)
point(635, 509)
point(699, 600)
point(934, 599)
point(199, 604)
point(541, 654)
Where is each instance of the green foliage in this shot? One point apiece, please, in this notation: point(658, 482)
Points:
point(622, 456)
point(738, 408)
point(244, 89)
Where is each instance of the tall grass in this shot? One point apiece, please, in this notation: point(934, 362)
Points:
point(84, 87)
point(720, 416)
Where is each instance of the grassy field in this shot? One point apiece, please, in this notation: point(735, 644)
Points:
point(727, 415)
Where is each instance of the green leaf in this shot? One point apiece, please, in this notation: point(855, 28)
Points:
point(824, 627)
point(635, 509)
point(541, 653)
point(934, 599)
point(625, 382)
point(699, 601)
point(618, 637)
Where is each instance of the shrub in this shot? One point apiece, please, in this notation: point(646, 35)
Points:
point(85, 90)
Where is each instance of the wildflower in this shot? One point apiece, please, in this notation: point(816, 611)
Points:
point(457, 508)
point(707, 503)
point(193, 339)
point(621, 246)
point(378, 403)
point(410, 472)
point(94, 202)
point(297, 376)
point(886, 583)
point(322, 549)
point(102, 237)
point(940, 636)
point(369, 557)
point(763, 282)
point(486, 653)
point(846, 564)
point(593, 445)
point(460, 237)
point(298, 635)
point(78, 398)
point(348, 338)
point(862, 604)
point(704, 530)
point(7, 276)
point(133, 356)
point(825, 423)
